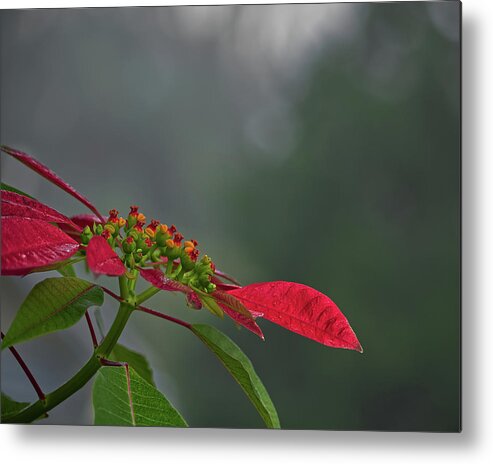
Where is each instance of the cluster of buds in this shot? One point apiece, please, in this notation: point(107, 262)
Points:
point(156, 244)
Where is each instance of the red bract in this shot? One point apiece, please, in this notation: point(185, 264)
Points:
point(28, 244)
point(301, 309)
point(81, 220)
point(158, 279)
point(14, 204)
point(246, 322)
point(47, 173)
point(101, 258)
point(229, 304)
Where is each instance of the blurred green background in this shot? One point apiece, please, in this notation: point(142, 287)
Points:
point(309, 143)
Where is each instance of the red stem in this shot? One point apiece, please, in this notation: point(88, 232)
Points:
point(110, 293)
point(150, 311)
point(108, 362)
point(91, 329)
point(165, 316)
point(26, 370)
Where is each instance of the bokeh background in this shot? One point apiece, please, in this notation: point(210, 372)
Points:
point(309, 143)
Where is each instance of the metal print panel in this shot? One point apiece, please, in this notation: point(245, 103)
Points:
point(232, 216)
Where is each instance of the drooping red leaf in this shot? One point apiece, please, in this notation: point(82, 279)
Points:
point(47, 173)
point(301, 309)
point(14, 204)
point(158, 279)
point(28, 244)
point(235, 304)
point(101, 258)
point(193, 301)
point(246, 322)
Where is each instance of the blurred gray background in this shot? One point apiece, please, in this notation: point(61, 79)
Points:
point(309, 143)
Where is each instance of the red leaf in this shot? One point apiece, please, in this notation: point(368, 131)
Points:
point(158, 279)
point(47, 173)
point(28, 244)
point(193, 301)
point(235, 304)
point(249, 324)
point(101, 258)
point(14, 204)
point(82, 220)
point(301, 309)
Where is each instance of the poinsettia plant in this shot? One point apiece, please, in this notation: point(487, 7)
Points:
point(37, 238)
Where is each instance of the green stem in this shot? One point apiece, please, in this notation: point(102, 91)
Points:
point(41, 407)
point(146, 294)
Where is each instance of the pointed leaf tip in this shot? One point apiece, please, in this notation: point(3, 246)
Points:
point(302, 310)
point(158, 279)
point(15, 204)
point(101, 258)
point(48, 174)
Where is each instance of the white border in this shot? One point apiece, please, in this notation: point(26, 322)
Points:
point(93, 445)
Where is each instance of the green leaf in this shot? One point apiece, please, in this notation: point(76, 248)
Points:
point(9, 188)
point(10, 407)
point(240, 367)
point(122, 397)
point(135, 360)
point(54, 304)
point(67, 270)
point(211, 305)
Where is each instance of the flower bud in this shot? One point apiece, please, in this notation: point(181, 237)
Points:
point(162, 235)
point(132, 216)
point(86, 235)
point(110, 228)
point(144, 243)
point(106, 234)
point(113, 216)
point(129, 245)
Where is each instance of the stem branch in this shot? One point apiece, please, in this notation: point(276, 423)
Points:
point(26, 370)
point(165, 316)
point(41, 407)
point(91, 329)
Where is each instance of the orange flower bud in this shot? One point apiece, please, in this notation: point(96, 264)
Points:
point(170, 243)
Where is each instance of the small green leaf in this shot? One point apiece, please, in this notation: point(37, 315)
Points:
point(121, 397)
point(54, 304)
point(135, 360)
point(240, 367)
point(10, 406)
point(9, 188)
point(67, 270)
point(211, 304)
